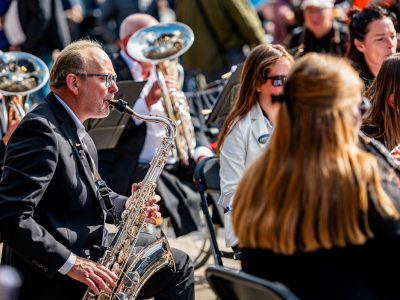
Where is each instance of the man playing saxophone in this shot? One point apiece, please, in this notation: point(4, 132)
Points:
point(175, 186)
point(52, 208)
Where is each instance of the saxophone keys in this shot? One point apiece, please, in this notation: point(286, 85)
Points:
point(120, 296)
point(116, 268)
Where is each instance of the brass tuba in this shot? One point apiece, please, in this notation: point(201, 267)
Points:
point(20, 74)
point(162, 44)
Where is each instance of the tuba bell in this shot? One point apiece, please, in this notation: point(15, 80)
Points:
point(20, 74)
point(162, 44)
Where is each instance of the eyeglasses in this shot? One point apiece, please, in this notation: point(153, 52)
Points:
point(109, 78)
point(277, 80)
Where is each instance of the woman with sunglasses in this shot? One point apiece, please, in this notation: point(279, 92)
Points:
point(383, 118)
point(372, 39)
point(250, 122)
point(318, 210)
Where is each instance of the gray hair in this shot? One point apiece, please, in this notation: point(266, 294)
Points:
point(70, 60)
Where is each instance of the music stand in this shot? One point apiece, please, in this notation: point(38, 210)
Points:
point(227, 97)
point(106, 132)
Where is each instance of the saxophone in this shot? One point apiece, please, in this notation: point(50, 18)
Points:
point(134, 267)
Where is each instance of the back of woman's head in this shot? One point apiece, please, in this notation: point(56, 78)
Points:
point(359, 22)
point(384, 116)
point(255, 71)
point(308, 190)
point(318, 90)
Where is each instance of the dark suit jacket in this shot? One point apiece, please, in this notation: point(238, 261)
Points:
point(44, 25)
point(48, 202)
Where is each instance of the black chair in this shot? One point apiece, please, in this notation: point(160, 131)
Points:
point(206, 176)
point(237, 285)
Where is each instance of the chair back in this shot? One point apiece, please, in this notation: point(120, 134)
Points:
point(237, 285)
point(207, 179)
point(207, 175)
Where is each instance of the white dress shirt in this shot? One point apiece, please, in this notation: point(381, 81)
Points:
point(154, 131)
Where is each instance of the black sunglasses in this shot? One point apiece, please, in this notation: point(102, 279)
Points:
point(277, 80)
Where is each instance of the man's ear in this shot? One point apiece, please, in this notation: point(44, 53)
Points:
point(359, 45)
point(390, 101)
point(72, 83)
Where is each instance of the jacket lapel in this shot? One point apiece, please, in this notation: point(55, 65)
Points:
point(69, 130)
point(259, 129)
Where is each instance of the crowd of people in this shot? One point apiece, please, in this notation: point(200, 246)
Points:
point(309, 188)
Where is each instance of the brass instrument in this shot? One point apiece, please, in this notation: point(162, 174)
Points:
point(162, 44)
point(133, 267)
point(20, 74)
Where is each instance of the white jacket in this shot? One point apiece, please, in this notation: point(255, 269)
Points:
point(241, 146)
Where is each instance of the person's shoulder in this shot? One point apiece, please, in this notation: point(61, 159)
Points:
point(295, 36)
point(381, 153)
point(297, 31)
point(245, 119)
point(244, 123)
point(48, 112)
point(372, 131)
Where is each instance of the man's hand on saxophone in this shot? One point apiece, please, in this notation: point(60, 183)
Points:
point(152, 208)
point(97, 277)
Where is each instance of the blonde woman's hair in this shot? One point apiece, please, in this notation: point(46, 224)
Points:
point(309, 189)
point(255, 71)
point(383, 119)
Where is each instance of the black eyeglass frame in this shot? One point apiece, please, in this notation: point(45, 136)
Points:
point(277, 81)
point(109, 77)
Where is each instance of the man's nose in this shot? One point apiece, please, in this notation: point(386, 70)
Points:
point(113, 87)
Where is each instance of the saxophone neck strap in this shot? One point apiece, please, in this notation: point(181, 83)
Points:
point(102, 189)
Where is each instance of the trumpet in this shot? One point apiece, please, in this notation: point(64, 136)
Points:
point(162, 44)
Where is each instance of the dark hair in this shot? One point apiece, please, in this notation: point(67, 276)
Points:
point(359, 27)
point(383, 121)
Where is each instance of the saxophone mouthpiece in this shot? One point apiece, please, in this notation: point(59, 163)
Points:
point(118, 104)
